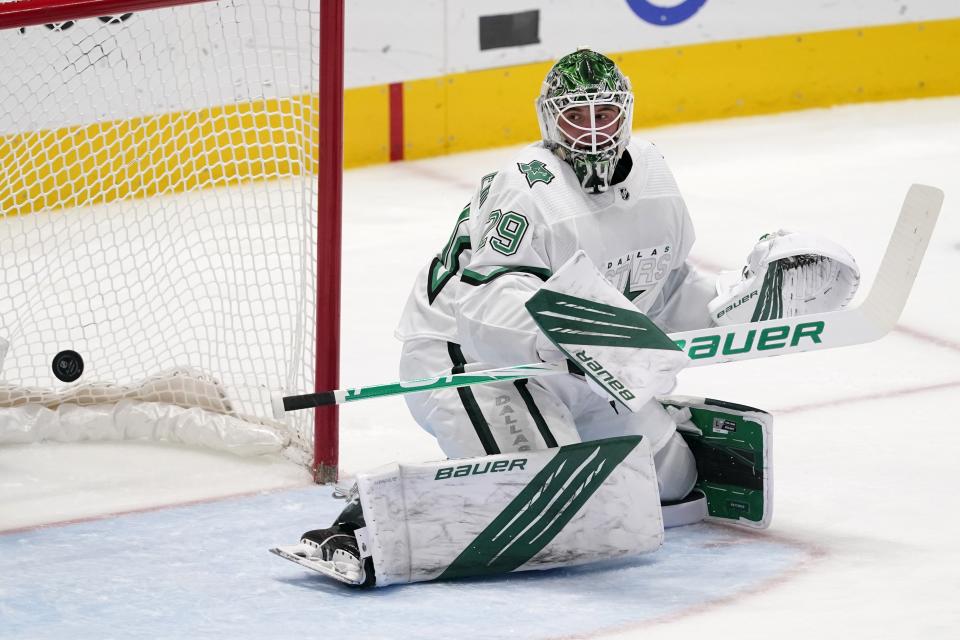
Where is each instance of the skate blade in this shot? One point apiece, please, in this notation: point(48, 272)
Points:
point(328, 569)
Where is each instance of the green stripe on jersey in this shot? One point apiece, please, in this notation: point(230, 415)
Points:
point(476, 279)
point(447, 263)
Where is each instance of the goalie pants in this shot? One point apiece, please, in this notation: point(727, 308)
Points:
point(533, 414)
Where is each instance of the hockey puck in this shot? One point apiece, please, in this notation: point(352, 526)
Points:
point(67, 366)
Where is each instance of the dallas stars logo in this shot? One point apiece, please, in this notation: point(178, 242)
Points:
point(535, 172)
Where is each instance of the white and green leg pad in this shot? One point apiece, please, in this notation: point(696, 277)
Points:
point(731, 445)
point(511, 512)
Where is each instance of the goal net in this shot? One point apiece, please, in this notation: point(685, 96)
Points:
point(159, 235)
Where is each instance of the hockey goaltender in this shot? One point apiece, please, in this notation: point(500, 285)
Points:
point(567, 469)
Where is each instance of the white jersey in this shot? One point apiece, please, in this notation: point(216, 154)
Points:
point(527, 220)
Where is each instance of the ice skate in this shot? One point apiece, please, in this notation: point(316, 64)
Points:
point(333, 552)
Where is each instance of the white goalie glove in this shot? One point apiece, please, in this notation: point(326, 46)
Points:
point(787, 275)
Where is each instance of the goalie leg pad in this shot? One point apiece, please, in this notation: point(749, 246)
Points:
point(731, 444)
point(676, 469)
point(513, 512)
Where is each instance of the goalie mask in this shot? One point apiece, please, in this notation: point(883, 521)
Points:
point(585, 111)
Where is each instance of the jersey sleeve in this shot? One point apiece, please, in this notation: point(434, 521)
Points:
point(509, 263)
point(428, 312)
point(683, 306)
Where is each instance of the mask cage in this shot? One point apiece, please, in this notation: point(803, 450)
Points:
point(586, 138)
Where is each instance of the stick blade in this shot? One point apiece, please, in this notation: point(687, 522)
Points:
point(903, 257)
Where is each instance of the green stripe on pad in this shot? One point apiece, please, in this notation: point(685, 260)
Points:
point(541, 510)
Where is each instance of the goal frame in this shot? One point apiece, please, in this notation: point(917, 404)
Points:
point(26, 13)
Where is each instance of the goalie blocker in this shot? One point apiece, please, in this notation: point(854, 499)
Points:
point(539, 510)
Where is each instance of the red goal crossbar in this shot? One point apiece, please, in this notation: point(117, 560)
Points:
point(26, 13)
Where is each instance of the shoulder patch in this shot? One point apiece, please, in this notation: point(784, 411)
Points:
point(535, 172)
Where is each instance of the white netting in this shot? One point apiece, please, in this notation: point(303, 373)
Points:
point(158, 201)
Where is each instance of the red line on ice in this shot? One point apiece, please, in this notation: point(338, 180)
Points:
point(158, 507)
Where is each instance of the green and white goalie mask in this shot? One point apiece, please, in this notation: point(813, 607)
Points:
point(585, 111)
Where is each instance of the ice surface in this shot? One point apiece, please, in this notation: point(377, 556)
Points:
point(203, 571)
point(863, 540)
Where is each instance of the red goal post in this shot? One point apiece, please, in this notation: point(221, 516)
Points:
point(324, 139)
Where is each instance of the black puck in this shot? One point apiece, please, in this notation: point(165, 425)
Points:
point(67, 366)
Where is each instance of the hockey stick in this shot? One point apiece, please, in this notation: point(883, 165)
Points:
point(340, 396)
point(870, 321)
